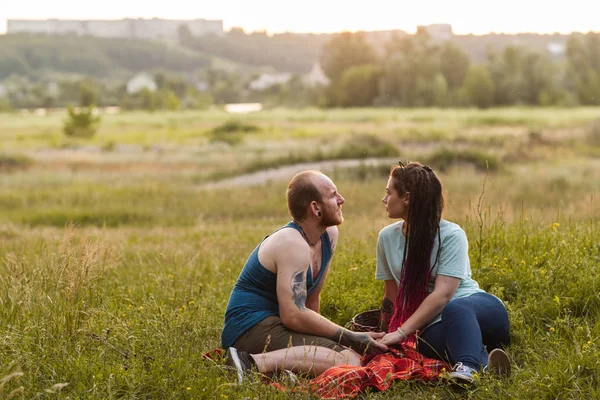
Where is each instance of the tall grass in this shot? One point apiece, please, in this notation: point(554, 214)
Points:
point(114, 279)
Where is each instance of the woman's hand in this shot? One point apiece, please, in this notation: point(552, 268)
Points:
point(392, 338)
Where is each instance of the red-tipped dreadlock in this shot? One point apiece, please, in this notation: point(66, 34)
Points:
point(422, 225)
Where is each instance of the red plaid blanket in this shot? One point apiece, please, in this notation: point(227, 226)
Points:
point(344, 381)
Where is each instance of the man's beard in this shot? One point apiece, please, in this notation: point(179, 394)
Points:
point(331, 218)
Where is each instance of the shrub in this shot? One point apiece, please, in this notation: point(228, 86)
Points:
point(13, 162)
point(235, 126)
point(231, 132)
point(365, 145)
point(593, 134)
point(81, 123)
point(446, 158)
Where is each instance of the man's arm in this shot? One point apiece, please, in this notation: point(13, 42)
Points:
point(292, 260)
point(387, 310)
point(313, 301)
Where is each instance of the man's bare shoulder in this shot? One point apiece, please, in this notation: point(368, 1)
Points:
point(333, 233)
point(285, 243)
point(286, 237)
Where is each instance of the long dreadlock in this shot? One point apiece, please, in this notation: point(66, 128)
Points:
point(422, 225)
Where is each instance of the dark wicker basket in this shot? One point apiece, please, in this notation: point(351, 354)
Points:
point(367, 321)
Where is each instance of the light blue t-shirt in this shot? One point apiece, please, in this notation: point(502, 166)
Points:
point(453, 258)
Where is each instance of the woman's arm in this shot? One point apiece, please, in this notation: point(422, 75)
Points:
point(444, 289)
point(390, 291)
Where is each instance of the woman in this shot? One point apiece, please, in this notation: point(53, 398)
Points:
point(429, 293)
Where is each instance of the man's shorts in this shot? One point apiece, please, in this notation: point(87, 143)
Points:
point(270, 334)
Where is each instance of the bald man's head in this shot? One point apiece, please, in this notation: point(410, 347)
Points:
point(303, 190)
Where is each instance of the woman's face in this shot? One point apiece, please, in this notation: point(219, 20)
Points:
point(395, 205)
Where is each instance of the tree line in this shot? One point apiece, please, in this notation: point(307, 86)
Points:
point(417, 71)
point(365, 69)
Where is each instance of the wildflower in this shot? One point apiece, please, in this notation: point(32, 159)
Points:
point(554, 226)
point(141, 307)
point(188, 388)
point(551, 329)
point(191, 302)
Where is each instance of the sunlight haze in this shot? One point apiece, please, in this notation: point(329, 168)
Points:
point(465, 16)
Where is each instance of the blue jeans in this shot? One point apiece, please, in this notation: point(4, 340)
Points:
point(468, 324)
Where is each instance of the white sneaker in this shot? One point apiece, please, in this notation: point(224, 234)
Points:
point(463, 373)
point(498, 363)
point(239, 361)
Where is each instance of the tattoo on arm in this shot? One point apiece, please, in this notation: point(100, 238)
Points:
point(298, 286)
point(387, 312)
point(359, 342)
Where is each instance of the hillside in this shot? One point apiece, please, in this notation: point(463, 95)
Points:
point(34, 55)
point(40, 55)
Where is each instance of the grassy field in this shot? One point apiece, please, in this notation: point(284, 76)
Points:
point(116, 261)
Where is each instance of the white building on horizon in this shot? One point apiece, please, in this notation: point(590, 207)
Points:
point(155, 28)
point(316, 76)
point(140, 82)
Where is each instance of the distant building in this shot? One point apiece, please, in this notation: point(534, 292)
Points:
point(267, 80)
point(316, 76)
point(140, 82)
point(438, 31)
point(154, 28)
point(198, 84)
point(53, 90)
point(556, 49)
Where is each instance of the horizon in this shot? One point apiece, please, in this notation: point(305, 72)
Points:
point(316, 16)
point(249, 30)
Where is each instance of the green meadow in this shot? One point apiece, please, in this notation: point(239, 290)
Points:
point(118, 253)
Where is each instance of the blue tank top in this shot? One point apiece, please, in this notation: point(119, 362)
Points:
point(254, 296)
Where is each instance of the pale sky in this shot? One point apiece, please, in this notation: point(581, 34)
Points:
point(465, 16)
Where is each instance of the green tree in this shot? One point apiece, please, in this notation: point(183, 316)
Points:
point(505, 72)
point(537, 83)
point(359, 86)
point(81, 123)
point(440, 91)
point(171, 101)
point(410, 67)
point(344, 51)
point(454, 65)
point(88, 93)
point(479, 87)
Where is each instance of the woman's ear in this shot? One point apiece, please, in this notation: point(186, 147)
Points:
point(406, 198)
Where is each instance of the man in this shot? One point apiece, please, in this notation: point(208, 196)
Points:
point(272, 319)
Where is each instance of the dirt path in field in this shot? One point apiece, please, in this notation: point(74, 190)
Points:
point(286, 172)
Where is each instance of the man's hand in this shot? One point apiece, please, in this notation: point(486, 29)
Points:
point(391, 338)
point(362, 343)
point(376, 335)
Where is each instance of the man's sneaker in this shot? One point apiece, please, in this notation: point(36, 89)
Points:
point(241, 361)
point(498, 362)
point(463, 374)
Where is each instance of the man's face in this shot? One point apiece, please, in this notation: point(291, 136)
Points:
point(331, 206)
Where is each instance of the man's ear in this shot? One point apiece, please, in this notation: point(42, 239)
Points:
point(314, 207)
